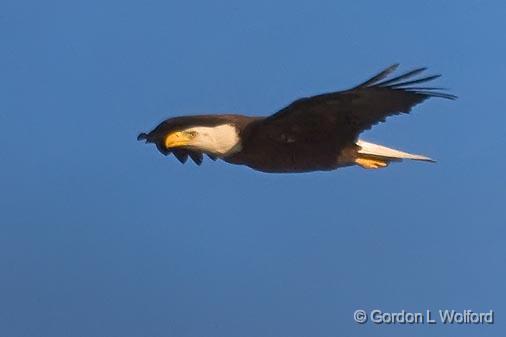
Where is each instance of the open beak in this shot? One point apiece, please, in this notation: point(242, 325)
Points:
point(177, 139)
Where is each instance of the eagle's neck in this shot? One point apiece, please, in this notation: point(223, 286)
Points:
point(220, 140)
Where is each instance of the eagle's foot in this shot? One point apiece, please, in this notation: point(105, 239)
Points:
point(369, 163)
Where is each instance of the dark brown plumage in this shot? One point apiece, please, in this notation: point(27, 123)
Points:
point(313, 133)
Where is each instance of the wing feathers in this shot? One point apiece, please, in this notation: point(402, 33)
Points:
point(182, 156)
point(396, 82)
point(378, 77)
point(436, 94)
point(420, 80)
point(402, 77)
point(347, 113)
point(197, 157)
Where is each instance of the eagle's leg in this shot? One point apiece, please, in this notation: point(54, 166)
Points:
point(370, 163)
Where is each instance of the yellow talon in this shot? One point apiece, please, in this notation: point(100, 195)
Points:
point(369, 163)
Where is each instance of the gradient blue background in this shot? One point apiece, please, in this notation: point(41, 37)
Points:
point(102, 236)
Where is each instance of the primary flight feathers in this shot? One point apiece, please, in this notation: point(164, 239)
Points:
point(311, 134)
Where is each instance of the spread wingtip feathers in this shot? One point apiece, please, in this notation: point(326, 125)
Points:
point(398, 83)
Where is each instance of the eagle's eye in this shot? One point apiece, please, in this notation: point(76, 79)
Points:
point(192, 134)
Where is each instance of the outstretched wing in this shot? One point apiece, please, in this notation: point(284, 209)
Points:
point(352, 111)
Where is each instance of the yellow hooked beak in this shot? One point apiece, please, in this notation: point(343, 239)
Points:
point(178, 139)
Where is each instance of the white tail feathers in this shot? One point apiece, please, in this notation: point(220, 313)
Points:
point(375, 150)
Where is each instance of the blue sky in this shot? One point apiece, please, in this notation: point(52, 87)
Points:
point(102, 236)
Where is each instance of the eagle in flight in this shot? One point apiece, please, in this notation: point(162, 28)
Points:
point(318, 133)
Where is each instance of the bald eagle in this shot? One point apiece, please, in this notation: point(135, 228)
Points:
point(318, 133)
